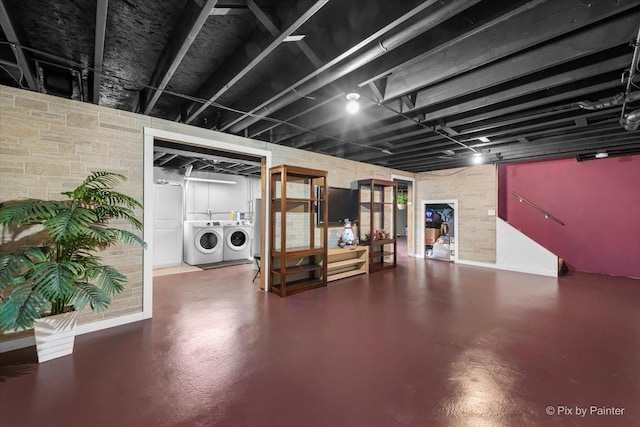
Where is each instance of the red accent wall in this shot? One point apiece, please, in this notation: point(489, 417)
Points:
point(598, 200)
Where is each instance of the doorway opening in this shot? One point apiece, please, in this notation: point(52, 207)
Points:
point(405, 219)
point(196, 190)
point(440, 229)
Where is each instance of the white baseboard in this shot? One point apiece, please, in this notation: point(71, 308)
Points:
point(477, 263)
point(80, 330)
point(109, 323)
point(18, 343)
point(516, 269)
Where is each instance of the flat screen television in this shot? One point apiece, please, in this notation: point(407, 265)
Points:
point(343, 203)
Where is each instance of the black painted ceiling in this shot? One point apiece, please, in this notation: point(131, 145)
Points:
point(439, 81)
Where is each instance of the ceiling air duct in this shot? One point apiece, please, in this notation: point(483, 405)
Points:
point(631, 121)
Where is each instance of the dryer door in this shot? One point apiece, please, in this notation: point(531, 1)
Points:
point(237, 239)
point(208, 241)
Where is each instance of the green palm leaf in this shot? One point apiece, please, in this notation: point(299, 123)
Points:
point(15, 266)
point(128, 237)
point(29, 211)
point(68, 224)
point(101, 235)
point(106, 213)
point(109, 197)
point(56, 280)
point(21, 308)
point(87, 293)
point(109, 279)
point(102, 179)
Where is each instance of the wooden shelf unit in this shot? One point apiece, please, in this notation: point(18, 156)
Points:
point(347, 262)
point(378, 211)
point(298, 249)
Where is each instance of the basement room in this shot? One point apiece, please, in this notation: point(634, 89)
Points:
point(375, 213)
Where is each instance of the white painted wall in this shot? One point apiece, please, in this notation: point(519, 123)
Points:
point(221, 199)
point(517, 252)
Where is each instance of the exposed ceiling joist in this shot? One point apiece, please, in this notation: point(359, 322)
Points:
point(536, 25)
point(331, 63)
point(12, 37)
point(273, 29)
point(614, 33)
point(98, 50)
point(189, 25)
point(256, 60)
point(432, 75)
point(378, 88)
point(384, 46)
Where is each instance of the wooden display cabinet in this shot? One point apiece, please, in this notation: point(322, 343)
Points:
point(298, 248)
point(377, 215)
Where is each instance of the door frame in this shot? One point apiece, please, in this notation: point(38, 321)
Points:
point(423, 221)
point(411, 215)
point(150, 134)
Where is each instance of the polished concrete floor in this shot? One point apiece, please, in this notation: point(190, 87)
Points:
point(427, 344)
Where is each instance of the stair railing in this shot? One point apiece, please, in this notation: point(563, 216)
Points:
point(546, 214)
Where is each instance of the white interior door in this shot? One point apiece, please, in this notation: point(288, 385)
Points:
point(167, 226)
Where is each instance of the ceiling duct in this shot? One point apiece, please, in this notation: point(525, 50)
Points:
point(603, 103)
point(60, 80)
point(631, 121)
point(609, 102)
point(381, 48)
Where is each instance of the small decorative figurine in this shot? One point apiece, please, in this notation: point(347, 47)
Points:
point(347, 234)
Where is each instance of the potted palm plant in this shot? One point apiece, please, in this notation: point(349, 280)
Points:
point(48, 282)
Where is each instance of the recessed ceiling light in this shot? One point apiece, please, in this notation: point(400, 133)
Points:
point(484, 139)
point(602, 155)
point(296, 38)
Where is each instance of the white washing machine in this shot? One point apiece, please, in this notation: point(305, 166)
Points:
point(237, 242)
point(203, 242)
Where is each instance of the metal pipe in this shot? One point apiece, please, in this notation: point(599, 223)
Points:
point(633, 70)
point(635, 63)
point(603, 103)
point(351, 51)
point(381, 48)
point(631, 121)
point(609, 102)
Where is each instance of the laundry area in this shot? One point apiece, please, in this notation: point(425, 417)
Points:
point(204, 207)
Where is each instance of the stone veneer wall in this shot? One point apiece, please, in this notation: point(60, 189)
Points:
point(476, 189)
point(49, 145)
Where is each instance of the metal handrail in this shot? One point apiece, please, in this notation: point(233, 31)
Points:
point(546, 214)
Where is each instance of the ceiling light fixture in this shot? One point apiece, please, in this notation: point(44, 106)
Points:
point(353, 106)
point(385, 151)
point(477, 158)
point(216, 181)
point(484, 139)
point(602, 155)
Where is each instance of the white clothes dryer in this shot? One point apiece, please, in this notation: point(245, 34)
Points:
point(237, 242)
point(203, 242)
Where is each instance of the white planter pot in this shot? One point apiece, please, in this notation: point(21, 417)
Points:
point(55, 335)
